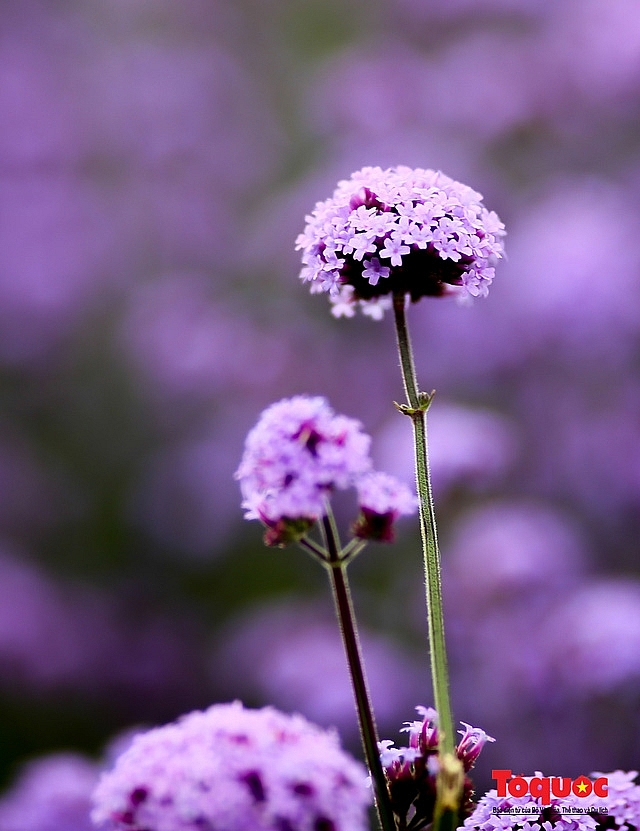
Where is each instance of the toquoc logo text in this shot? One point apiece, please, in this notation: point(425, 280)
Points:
point(545, 787)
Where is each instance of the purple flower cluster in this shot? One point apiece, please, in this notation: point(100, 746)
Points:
point(299, 451)
point(229, 768)
point(622, 806)
point(400, 230)
point(623, 800)
point(411, 771)
point(297, 454)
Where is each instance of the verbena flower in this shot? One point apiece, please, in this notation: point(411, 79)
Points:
point(622, 804)
point(382, 499)
point(411, 771)
point(400, 230)
point(234, 769)
point(295, 456)
point(299, 452)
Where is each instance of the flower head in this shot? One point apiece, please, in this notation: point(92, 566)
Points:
point(400, 230)
point(296, 455)
point(234, 769)
point(299, 452)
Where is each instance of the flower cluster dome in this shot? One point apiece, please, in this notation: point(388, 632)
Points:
point(399, 231)
point(234, 769)
point(298, 453)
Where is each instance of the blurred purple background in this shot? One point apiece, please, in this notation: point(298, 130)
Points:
point(156, 163)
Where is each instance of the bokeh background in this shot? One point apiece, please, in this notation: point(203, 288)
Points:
point(157, 159)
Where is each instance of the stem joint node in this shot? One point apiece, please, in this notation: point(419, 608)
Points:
point(424, 402)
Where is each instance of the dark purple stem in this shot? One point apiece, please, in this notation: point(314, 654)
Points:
point(346, 617)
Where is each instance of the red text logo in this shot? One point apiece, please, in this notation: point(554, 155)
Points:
point(545, 787)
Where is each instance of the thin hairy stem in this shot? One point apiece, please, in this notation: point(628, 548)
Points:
point(416, 408)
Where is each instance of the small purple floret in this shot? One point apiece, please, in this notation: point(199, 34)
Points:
point(373, 270)
point(471, 744)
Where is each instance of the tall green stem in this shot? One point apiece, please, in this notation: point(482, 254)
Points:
point(344, 609)
point(416, 409)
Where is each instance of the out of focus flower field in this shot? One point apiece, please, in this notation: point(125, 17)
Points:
point(157, 160)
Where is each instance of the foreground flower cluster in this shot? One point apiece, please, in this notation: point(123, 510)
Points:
point(400, 230)
point(233, 769)
point(298, 453)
